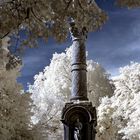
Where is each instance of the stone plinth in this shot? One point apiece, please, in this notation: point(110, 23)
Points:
point(79, 119)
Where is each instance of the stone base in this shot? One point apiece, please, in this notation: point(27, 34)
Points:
point(79, 119)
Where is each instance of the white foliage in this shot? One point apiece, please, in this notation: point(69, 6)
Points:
point(119, 116)
point(14, 107)
point(4, 52)
point(52, 88)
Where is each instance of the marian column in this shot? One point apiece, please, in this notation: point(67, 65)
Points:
point(79, 77)
point(78, 115)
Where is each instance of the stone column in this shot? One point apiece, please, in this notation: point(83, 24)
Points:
point(79, 77)
point(78, 115)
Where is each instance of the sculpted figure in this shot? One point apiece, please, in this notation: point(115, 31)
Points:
point(77, 130)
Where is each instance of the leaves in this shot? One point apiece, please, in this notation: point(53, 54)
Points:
point(119, 116)
point(15, 108)
point(129, 3)
point(52, 88)
point(35, 16)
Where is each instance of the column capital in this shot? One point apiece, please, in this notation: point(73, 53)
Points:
point(76, 33)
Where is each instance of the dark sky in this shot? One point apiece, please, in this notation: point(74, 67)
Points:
point(114, 46)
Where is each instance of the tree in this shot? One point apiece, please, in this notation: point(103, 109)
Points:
point(44, 18)
point(15, 108)
point(129, 3)
point(52, 88)
point(39, 18)
point(119, 116)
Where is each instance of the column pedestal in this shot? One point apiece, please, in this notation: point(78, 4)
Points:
point(79, 119)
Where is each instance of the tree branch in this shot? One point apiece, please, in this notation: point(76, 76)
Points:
point(68, 4)
point(4, 35)
point(32, 11)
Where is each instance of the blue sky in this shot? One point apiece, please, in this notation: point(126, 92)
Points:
point(114, 46)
